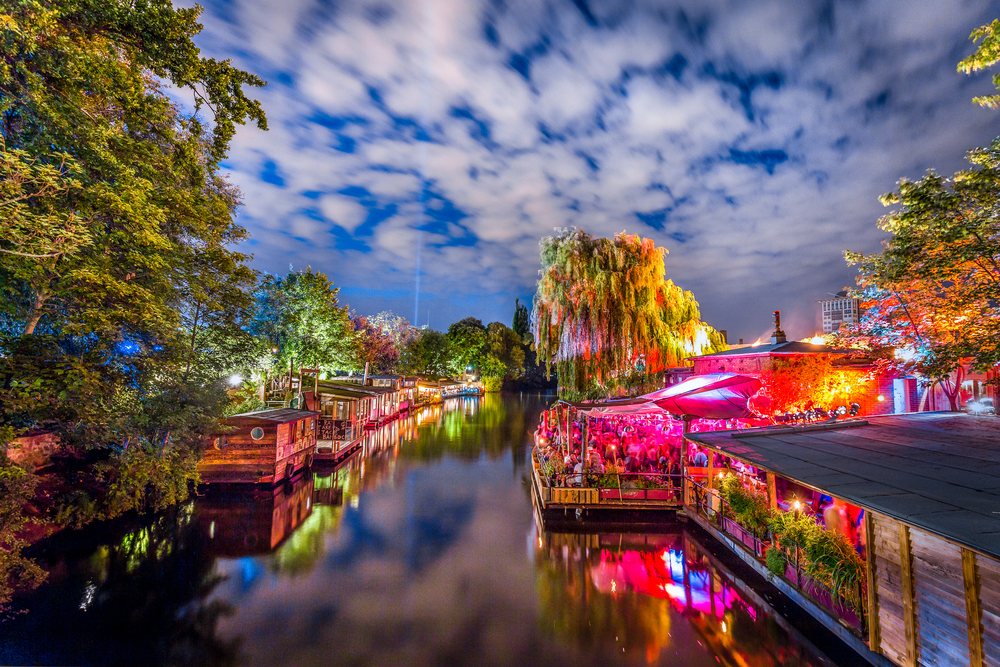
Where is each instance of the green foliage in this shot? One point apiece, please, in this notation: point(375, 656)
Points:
point(935, 287)
point(750, 507)
point(466, 340)
point(299, 315)
point(17, 488)
point(602, 307)
point(825, 555)
point(522, 321)
point(987, 53)
point(428, 354)
point(503, 354)
point(775, 562)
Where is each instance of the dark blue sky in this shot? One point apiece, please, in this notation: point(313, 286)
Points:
point(751, 139)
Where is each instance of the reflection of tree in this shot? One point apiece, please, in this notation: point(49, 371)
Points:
point(141, 599)
point(468, 428)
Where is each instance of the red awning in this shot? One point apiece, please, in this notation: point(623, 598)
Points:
point(712, 396)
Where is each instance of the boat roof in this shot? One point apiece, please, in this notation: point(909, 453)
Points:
point(279, 415)
point(937, 471)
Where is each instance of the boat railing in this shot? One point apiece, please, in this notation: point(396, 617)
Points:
point(846, 606)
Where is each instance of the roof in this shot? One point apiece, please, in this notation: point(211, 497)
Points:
point(937, 471)
point(279, 415)
point(791, 347)
point(329, 389)
point(365, 389)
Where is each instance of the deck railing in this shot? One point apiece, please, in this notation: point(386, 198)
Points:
point(715, 510)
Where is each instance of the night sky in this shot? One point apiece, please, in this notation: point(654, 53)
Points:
point(443, 138)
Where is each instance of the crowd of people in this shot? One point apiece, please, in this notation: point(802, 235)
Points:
point(646, 447)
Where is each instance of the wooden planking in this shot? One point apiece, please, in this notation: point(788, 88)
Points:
point(892, 631)
point(906, 579)
point(975, 627)
point(873, 628)
point(939, 600)
point(989, 608)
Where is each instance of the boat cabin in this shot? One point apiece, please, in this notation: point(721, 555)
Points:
point(264, 447)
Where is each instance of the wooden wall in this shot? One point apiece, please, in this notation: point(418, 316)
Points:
point(935, 602)
point(939, 587)
point(888, 590)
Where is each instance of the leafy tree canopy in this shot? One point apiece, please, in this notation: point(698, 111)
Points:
point(603, 306)
point(300, 317)
point(934, 290)
point(987, 53)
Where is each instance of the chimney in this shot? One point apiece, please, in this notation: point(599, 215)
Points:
point(725, 336)
point(778, 336)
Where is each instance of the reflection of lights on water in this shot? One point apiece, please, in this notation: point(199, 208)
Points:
point(88, 596)
point(539, 542)
point(614, 586)
point(724, 626)
point(211, 530)
point(354, 501)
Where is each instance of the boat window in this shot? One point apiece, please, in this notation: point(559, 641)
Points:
point(257, 433)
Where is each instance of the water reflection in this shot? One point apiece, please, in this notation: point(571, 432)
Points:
point(659, 599)
point(411, 553)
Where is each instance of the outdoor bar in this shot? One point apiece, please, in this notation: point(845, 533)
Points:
point(912, 499)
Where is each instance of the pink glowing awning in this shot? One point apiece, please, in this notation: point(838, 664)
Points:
point(712, 396)
point(644, 408)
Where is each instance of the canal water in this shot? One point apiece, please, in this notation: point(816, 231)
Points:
point(422, 551)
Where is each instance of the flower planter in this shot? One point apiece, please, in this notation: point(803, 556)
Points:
point(609, 494)
point(658, 494)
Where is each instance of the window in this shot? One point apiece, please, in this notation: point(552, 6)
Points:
point(220, 442)
point(257, 433)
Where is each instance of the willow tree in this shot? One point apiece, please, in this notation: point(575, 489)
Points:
point(603, 311)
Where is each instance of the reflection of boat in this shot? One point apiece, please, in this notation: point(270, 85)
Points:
point(242, 522)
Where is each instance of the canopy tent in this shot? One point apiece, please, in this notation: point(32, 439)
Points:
point(712, 396)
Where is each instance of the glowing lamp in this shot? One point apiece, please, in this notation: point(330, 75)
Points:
point(880, 398)
point(797, 505)
point(235, 380)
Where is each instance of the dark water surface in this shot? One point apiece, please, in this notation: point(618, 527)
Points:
point(424, 551)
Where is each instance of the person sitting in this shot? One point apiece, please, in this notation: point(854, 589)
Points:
point(700, 460)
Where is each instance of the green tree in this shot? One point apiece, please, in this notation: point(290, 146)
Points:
point(503, 356)
point(988, 53)
point(603, 306)
point(522, 321)
point(118, 287)
point(300, 316)
point(466, 339)
point(934, 289)
point(428, 353)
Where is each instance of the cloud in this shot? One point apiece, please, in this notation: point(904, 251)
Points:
point(752, 139)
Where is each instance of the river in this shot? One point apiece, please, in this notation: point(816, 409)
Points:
point(422, 551)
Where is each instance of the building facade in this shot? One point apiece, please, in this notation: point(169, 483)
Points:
point(841, 309)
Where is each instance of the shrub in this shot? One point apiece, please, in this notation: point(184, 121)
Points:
point(775, 561)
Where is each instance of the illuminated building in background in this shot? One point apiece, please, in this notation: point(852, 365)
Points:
point(841, 309)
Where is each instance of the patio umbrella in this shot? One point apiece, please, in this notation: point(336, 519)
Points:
point(712, 396)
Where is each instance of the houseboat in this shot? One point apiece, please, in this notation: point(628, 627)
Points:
point(919, 497)
point(264, 447)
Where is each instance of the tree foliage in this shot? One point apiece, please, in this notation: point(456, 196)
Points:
point(987, 53)
point(522, 321)
point(603, 306)
point(934, 290)
point(122, 303)
point(300, 316)
point(467, 340)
